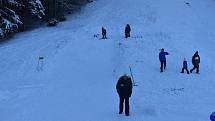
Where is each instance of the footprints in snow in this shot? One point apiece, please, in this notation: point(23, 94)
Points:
point(173, 91)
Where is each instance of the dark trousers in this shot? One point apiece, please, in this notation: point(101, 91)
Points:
point(195, 67)
point(127, 34)
point(104, 36)
point(163, 65)
point(121, 103)
point(182, 71)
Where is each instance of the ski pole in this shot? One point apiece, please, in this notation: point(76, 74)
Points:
point(132, 77)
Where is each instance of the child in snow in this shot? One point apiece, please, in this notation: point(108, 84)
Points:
point(184, 66)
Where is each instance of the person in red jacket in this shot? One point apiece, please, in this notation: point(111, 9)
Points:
point(124, 90)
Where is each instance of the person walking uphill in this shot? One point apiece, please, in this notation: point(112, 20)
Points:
point(195, 62)
point(124, 90)
point(162, 58)
point(127, 31)
point(184, 66)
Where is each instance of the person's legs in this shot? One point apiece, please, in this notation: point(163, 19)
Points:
point(161, 66)
point(121, 105)
point(164, 65)
point(194, 67)
point(105, 36)
point(197, 69)
point(127, 106)
point(187, 70)
point(129, 34)
point(182, 70)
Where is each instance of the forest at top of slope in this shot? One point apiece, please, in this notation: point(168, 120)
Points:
point(19, 15)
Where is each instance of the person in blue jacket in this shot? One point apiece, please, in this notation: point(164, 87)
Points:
point(212, 116)
point(185, 67)
point(162, 58)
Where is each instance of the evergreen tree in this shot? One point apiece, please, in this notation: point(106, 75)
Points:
point(11, 14)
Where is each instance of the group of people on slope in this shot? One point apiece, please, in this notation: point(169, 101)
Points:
point(127, 32)
point(162, 54)
point(195, 62)
point(124, 84)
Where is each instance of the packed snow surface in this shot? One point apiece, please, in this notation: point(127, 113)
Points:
point(67, 73)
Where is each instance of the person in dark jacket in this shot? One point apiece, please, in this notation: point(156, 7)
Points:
point(162, 58)
point(195, 62)
point(124, 90)
point(185, 66)
point(212, 116)
point(104, 32)
point(127, 31)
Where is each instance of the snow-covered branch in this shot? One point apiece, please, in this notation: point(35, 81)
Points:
point(11, 12)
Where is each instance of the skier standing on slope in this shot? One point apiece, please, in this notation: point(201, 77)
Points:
point(196, 62)
point(184, 66)
point(124, 90)
point(127, 31)
point(104, 32)
point(212, 116)
point(162, 58)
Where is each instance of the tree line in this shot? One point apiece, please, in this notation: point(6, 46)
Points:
point(19, 15)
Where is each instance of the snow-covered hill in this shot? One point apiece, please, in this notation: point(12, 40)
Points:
point(77, 79)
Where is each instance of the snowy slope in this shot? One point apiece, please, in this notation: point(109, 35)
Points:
point(78, 79)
